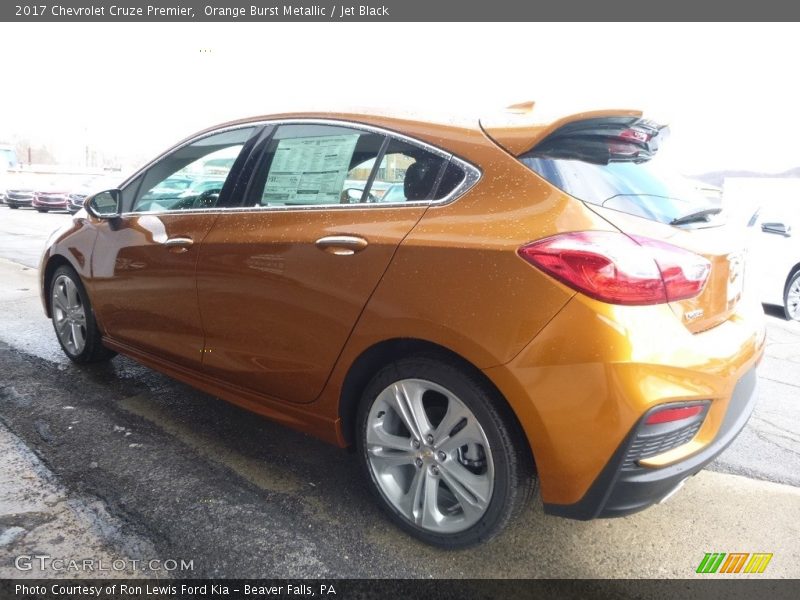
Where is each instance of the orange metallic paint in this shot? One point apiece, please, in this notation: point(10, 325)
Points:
point(301, 302)
point(714, 243)
point(284, 321)
point(596, 368)
point(145, 293)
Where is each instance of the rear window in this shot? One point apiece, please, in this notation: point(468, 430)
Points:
point(641, 184)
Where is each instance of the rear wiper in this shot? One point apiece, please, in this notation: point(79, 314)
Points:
point(698, 215)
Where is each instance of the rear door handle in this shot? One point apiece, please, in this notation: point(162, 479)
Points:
point(342, 245)
point(179, 244)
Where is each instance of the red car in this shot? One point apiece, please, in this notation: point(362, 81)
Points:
point(53, 196)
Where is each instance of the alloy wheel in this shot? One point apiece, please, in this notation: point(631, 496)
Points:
point(793, 299)
point(429, 456)
point(69, 315)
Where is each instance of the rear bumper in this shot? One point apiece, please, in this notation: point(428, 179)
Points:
point(621, 490)
point(584, 384)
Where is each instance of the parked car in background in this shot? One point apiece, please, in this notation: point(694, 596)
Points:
point(203, 192)
point(51, 195)
point(394, 193)
point(19, 194)
point(78, 193)
point(773, 263)
point(168, 191)
point(543, 305)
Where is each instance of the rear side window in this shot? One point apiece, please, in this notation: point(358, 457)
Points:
point(606, 169)
point(407, 173)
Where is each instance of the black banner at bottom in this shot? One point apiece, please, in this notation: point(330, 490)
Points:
point(445, 589)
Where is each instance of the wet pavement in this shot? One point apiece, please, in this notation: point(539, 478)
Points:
point(39, 517)
point(182, 475)
point(24, 231)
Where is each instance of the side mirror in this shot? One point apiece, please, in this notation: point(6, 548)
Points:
point(779, 228)
point(104, 205)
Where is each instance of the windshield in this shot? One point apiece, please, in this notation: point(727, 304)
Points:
point(395, 193)
point(647, 189)
point(204, 185)
point(174, 184)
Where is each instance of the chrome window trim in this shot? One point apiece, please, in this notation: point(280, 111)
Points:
point(185, 143)
point(472, 174)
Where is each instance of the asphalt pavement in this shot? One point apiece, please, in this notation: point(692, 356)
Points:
point(152, 469)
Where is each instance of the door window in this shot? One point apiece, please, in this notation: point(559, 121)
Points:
point(193, 176)
point(310, 165)
point(318, 165)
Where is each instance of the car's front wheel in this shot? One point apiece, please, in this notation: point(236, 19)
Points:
point(73, 318)
point(791, 298)
point(445, 458)
point(42, 210)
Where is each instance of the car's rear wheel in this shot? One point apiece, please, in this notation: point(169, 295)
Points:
point(443, 455)
point(791, 298)
point(73, 318)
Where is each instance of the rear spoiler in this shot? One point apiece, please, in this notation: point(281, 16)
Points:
point(519, 128)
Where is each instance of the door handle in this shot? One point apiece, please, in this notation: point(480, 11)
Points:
point(179, 244)
point(341, 245)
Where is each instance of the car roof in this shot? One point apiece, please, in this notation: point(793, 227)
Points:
point(517, 127)
point(455, 134)
point(377, 116)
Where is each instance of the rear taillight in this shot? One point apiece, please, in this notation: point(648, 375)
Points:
point(618, 269)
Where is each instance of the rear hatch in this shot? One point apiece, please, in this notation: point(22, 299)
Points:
point(611, 163)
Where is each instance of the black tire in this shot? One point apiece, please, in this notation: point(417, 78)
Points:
point(14, 206)
point(93, 349)
point(790, 307)
point(514, 473)
point(42, 210)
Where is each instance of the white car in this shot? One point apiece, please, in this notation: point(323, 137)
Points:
point(773, 264)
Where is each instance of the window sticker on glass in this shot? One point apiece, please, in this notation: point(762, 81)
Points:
point(309, 170)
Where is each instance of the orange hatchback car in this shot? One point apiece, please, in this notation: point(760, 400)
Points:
point(535, 301)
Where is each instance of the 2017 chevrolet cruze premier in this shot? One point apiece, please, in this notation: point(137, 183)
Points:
point(539, 303)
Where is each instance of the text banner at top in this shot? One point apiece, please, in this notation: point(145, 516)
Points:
point(407, 10)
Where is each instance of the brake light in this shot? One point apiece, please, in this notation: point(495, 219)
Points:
point(634, 134)
point(679, 413)
point(618, 269)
